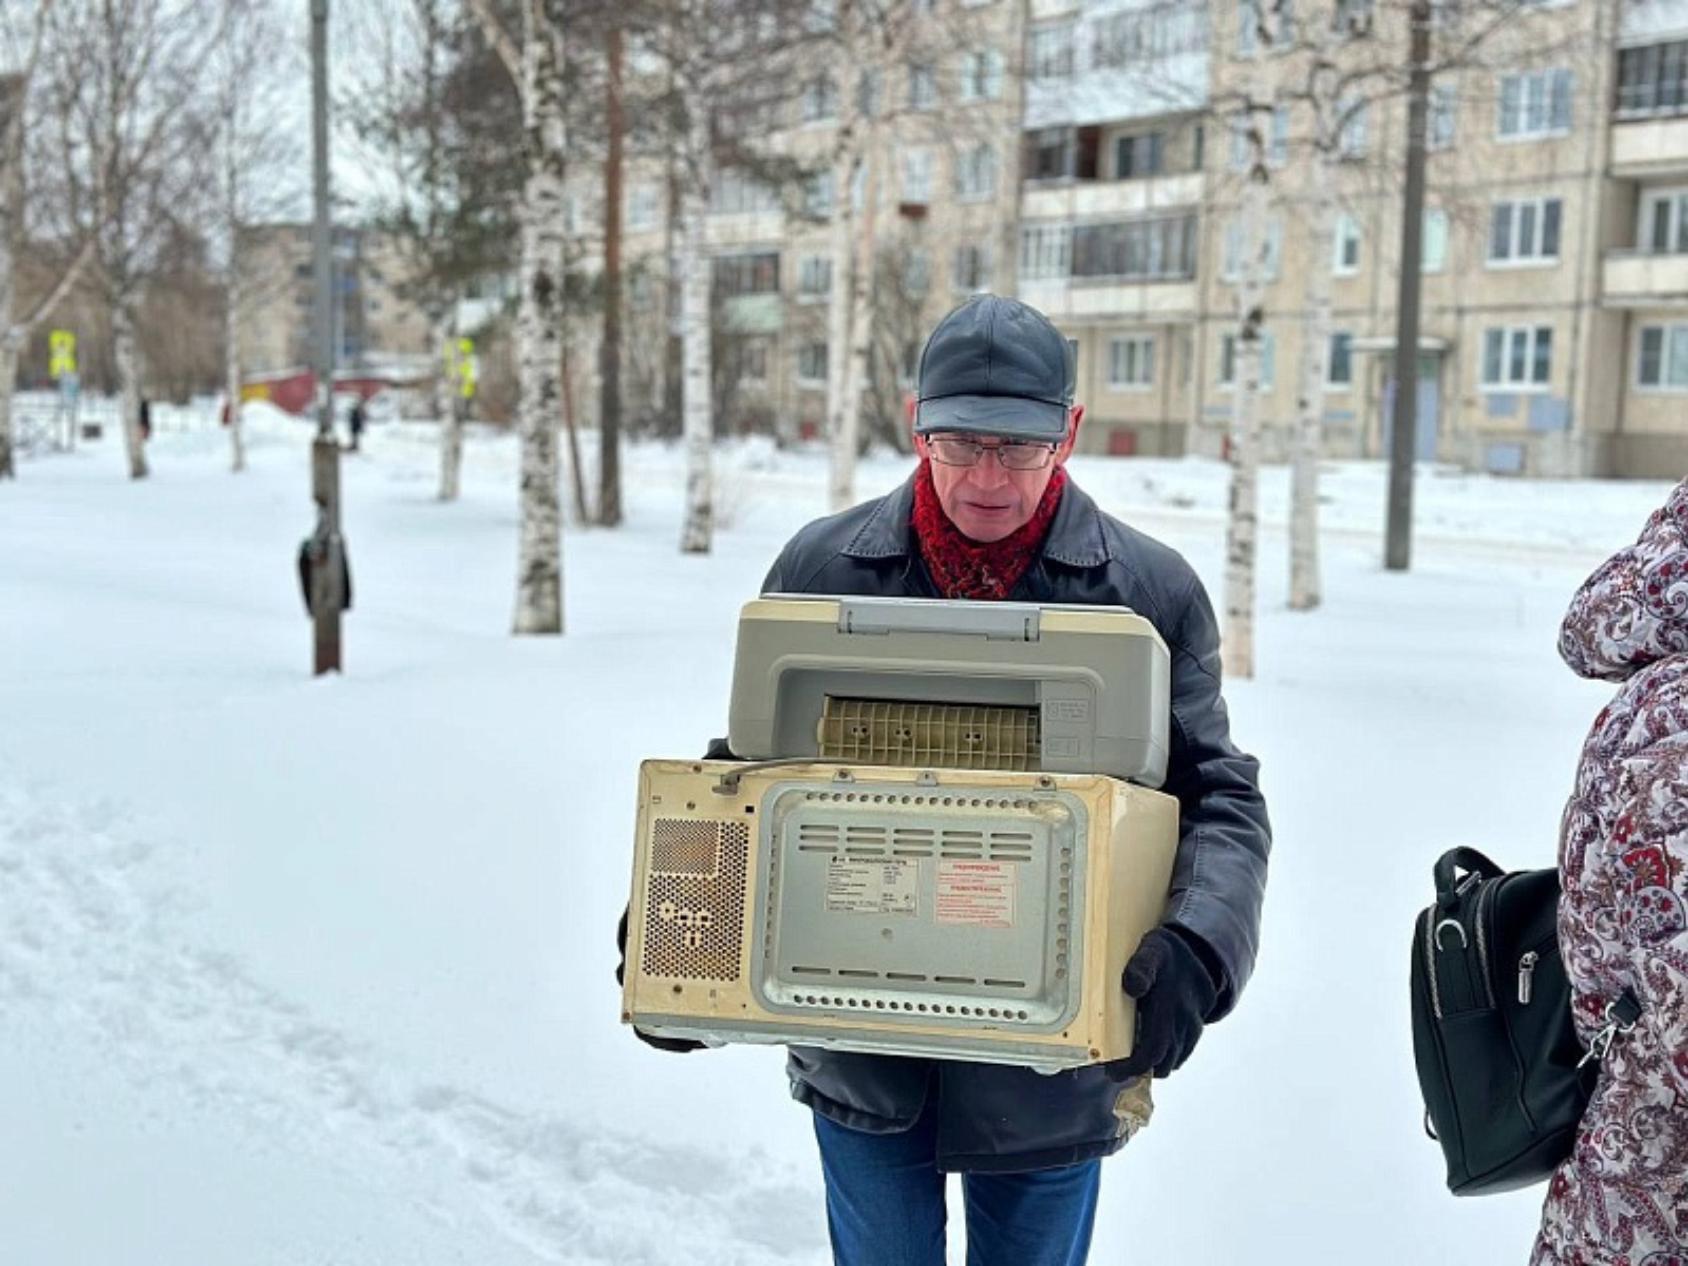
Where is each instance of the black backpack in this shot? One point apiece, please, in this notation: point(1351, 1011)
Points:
point(1505, 1079)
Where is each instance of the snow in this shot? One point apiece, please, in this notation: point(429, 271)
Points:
point(299, 971)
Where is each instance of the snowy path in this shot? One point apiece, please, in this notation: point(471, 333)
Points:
point(87, 935)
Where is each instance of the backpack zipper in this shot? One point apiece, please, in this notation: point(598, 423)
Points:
point(1430, 960)
point(1526, 970)
point(1484, 899)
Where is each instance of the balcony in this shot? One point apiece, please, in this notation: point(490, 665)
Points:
point(1096, 299)
point(1087, 199)
point(753, 314)
point(742, 228)
point(1649, 147)
point(1630, 279)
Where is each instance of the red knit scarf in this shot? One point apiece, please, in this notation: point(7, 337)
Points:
point(962, 567)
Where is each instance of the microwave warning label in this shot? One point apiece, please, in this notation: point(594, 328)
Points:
point(891, 887)
point(980, 894)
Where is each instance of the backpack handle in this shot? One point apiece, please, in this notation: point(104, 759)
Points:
point(1450, 863)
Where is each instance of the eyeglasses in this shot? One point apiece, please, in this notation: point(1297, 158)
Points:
point(1013, 454)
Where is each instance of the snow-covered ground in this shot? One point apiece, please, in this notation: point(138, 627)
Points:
point(299, 971)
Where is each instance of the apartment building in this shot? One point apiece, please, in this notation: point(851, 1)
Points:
point(1553, 232)
point(374, 318)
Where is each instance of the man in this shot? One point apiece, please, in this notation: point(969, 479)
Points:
point(990, 514)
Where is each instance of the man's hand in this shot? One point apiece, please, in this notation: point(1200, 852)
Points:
point(679, 1045)
point(1174, 992)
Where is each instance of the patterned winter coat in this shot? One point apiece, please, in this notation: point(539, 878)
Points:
point(1622, 1197)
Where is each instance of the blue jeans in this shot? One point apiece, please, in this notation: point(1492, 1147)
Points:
point(885, 1204)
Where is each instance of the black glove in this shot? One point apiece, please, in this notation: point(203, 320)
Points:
point(679, 1045)
point(1175, 991)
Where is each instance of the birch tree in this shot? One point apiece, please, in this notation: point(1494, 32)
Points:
point(135, 150)
point(537, 65)
point(256, 160)
point(1254, 120)
point(26, 29)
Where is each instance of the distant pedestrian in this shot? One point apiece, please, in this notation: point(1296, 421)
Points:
point(357, 420)
point(146, 419)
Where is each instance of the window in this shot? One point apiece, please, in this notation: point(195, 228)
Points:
point(1345, 246)
point(754, 363)
point(1433, 246)
point(811, 364)
point(1051, 51)
point(819, 102)
point(1439, 123)
point(1131, 362)
point(1517, 356)
point(757, 274)
point(908, 369)
point(1228, 360)
point(641, 208)
point(1353, 17)
point(821, 16)
point(1050, 154)
point(1524, 232)
point(817, 194)
point(917, 272)
point(867, 93)
point(1351, 135)
point(918, 168)
point(1161, 249)
point(1663, 360)
point(1276, 140)
point(975, 174)
point(814, 277)
point(1653, 80)
point(1136, 157)
point(1536, 103)
point(971, 268)
point(1046, 250)
point(1232, 269)
point(732, 193)
point(1664, 222)
point(981, 75)
point(1147, 34)
point(1339, 365)
point(922, 86)
point(1248, 27)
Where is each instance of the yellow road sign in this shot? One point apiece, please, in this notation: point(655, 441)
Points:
point(61, 353)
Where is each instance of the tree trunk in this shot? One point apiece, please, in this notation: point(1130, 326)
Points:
point(128, 385)
point(841, 425)
point(674, 266)
point(1304, 587)
point(609, 350)
point(231, 365)
point(447, 406)
point(577, 477)
point(848, 440)
point(8, 376)
point(1242, 530)
point(697, 534)
point(539, 572)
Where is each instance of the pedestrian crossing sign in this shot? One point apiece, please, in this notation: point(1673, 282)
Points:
point(61, 353)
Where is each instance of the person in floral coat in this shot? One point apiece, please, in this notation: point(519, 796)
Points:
point(1621, 1199)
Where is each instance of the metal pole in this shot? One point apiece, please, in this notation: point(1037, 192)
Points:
point(1398, 532)
point(325, 451)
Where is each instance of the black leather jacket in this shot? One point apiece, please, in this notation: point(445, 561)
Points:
point(1001, 1118)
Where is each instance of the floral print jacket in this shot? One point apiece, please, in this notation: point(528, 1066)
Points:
point(1622, 1197)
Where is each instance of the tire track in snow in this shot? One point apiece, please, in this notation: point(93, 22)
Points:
point(90, 933)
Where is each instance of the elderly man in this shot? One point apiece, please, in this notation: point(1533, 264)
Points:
point(990, 514)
